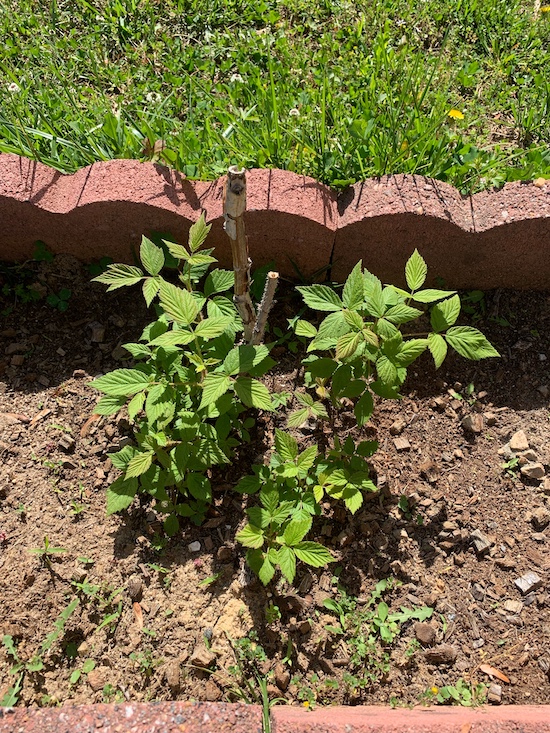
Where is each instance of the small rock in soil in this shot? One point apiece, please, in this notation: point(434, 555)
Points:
point(98, 332)
point(482, 543)
point(172, 675)
point(135, 588)
point(202, 657)
point(401, 444)
point(67, 444)
point(224, 554)
point(528, 582)
point(519, 442)
point(494, 695)
point(442, 654)
point(513, 606)
point(533, 470)
point(97, 678)
point(490, 418)
point(527, 456)
point(282, 676)
point(211, 691)
point(194, 546)
point(425, 633)
point(473, 423)
point(540, 517)
point(397, 427)
point(477, 591)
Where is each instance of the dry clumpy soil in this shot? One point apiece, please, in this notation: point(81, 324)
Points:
point(150, 618)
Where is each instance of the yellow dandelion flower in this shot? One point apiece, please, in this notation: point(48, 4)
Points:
point(305, 703)
point(455, 114)
point(404, 145)
point(434, 690)
point(545, 9)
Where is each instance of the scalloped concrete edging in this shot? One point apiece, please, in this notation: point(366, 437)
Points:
point(187, 717)
point(488, 240)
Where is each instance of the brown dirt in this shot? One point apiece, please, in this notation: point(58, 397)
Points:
point(453, 479)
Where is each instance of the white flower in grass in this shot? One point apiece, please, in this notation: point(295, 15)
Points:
point(236, 77)
point(153, 97)
point(294, 112)
point(13, 87)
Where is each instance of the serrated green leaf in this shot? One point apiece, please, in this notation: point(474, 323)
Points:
point(364, 408)
point(296, 531)
point(250, 536)
point(444, 314)
point(431, 295)
point(304, 328)
point(253, 393)
point(177, 250)
point(171, 525)
point(307, 457)
point(119, 275)
point(415, 271)
point(353, 499)
point(213, 387)
point(470, 343)
point(402, 313)
point(138, 351)
point(210, 328)
point(297, 418)
point(285, 445)
point(138, 464)
point(152, 257)
point(121, 458)
point(121, 382)
point(109, 404)
point(150, 288)
point(136, 404)
point(386, 370)
point(198, 233)
point(178, 304)
point(438, 348)
point(247, 485)
point(287, 562)
point(387, 330)
point(313, 554)
point(410, 350)
point(347, 345)
point(242, 359)
point(120, 494)
point(177, 337)
point(352, 294)
point(354, 320)
point(219, 281)
point(320, 297)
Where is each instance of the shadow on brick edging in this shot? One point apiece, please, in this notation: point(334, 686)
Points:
point(193, 717)
point(491, 239)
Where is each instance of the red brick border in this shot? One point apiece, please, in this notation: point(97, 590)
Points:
point(188, 717)
point(492, 239)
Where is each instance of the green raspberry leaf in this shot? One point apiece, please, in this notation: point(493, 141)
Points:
point(416, 271)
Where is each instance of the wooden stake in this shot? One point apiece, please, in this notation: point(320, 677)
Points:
point(264, 308)
point(234, 206)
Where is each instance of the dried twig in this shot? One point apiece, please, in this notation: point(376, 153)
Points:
point(264, 308)
point(234, 206)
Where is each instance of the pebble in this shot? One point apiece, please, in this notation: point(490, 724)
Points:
point(528, 456)
point(490, 418)
point(513, 606)
point(540, 518)
point(135, 588)
point(533, 470)
point(397, 427)
point(401, 444)
point(519, 442)
point(473, 423)
point(172, 675)
point(425, 633)
point(477, 591)
point(97, 678)
point(442, 654)
point(494, 695)
point(194, 546)
point(482, 543)
point(528, 582)
point(211, 691)
point(282, 676)
point(202, 657)
point(66, 443)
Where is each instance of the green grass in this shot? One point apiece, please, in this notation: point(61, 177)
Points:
point(336, 89)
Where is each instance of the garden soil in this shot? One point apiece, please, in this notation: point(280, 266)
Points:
point(456, 523)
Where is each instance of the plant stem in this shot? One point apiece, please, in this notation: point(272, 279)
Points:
point(264, 308)
point(234, 206)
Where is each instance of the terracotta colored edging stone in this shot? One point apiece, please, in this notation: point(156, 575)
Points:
point(492, 239)
point(163, 717)
point(505, 719)
point(182, 717)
